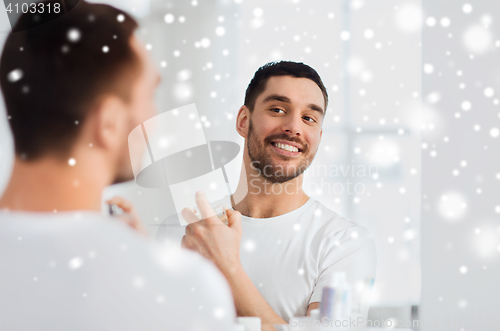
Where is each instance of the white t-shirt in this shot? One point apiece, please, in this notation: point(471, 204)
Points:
point(291, 257)
point(82, 271)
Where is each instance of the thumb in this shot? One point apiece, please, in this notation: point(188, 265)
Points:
point(233, 219)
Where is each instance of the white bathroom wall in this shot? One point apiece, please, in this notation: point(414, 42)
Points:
point(461, 167)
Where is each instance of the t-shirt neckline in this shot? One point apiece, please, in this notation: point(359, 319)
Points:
point(290, 215)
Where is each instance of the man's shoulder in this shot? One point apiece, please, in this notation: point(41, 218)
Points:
point(74, 230)
point(335, 223)
point(66, 234)
point(344, 236)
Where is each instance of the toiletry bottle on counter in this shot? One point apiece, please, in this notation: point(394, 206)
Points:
point(336, 299)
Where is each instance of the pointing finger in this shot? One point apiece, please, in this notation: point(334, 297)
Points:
point(204, 206)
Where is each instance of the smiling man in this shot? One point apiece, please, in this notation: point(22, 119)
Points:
point(291, 245)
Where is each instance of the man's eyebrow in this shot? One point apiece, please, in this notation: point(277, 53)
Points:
point(316, 108)
point(276, 97)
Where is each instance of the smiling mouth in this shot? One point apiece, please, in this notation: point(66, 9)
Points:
point(286, 147)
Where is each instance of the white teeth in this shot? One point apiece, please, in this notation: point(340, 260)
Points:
point(286, 147)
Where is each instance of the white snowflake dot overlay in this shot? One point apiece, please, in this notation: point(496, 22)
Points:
point(220, 31)
point(477, 39)
point(15, 75)
point(467, 8)
point(369, 34)
point(75, 263)
point(258, 12)
point(445, 22)
point(74, 35)
point(489, 92)
point(169, 18)
point(428, 68)
point(452, 205)
point(249, 245)
point(466, 105)
point(120, 18)
point(219, 312)
point(409, 17)
point(138, 282)
point(105, 49)
point(205, 42)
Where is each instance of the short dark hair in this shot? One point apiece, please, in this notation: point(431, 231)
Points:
point(52, 74)
point(283, 68)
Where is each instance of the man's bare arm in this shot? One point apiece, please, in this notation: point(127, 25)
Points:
point(248, 300)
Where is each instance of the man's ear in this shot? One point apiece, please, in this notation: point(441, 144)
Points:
point(243, 121)
point(110, 122)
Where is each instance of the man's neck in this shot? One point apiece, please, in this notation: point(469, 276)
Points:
point(262, 199)
point(50, 184)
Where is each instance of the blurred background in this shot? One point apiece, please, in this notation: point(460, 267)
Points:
point(409, 139)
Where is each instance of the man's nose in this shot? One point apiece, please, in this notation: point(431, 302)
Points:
point(292, 125)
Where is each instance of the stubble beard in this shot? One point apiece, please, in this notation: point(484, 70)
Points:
point(261, 158)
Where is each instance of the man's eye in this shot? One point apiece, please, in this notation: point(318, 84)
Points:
point(309, 119)
point(277, 110)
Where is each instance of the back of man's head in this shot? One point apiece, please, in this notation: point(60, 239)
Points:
point(52, 74)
